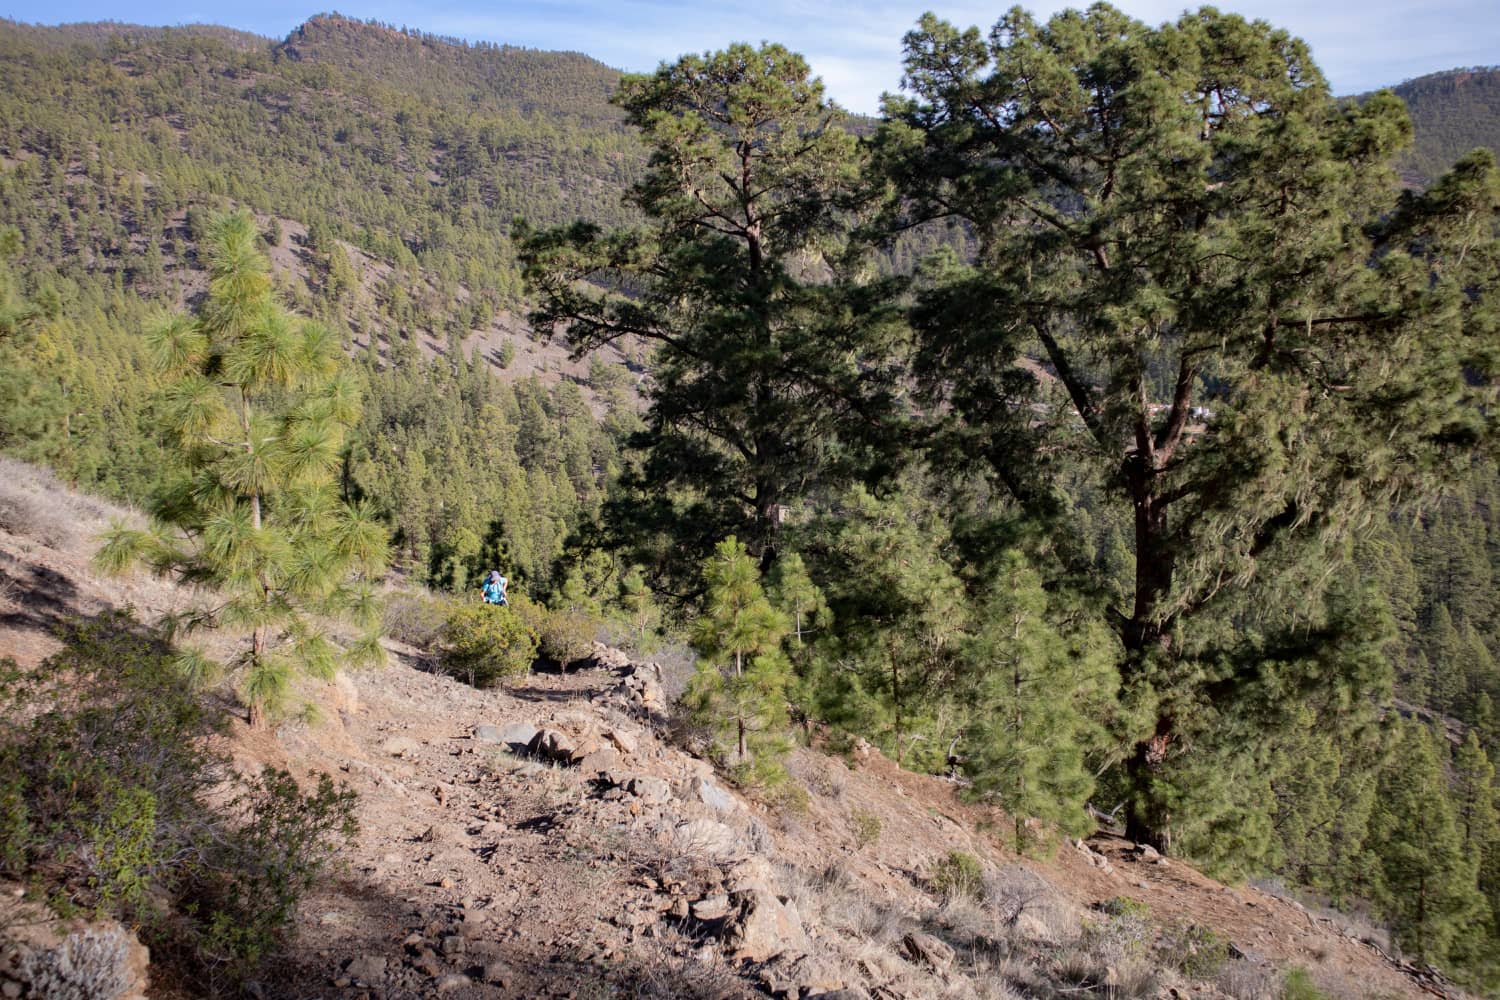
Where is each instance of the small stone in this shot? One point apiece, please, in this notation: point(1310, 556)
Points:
point(445, 883)
point(452, 981)
point(453, 944)
point(622, 740)
point(712, 907)
point(390, 859)
point(367, 970)
point(497, 973)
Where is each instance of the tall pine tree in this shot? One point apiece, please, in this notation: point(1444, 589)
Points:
point(259, 407)
point(1199, 282)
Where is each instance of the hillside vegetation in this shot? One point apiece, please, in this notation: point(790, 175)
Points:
point(1109, 429)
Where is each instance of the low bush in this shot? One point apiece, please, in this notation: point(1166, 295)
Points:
point(866, 827)
point(958, 874)
point(567, 637)
point(108, 775)
point(415, 618)
point(1298, 985)
point(1196, 951)
point(484, 644)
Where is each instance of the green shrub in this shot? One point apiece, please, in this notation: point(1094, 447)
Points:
point(485, 644)
point(958, 874)
point(866, 827)
point(1124, 906)
point(1298, 985)
point(567, 636)
point(1196, 951)
point(415, 618)
point(258, 877)
point(107, 773)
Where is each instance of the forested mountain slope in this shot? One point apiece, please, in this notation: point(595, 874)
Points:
point(1453, 112)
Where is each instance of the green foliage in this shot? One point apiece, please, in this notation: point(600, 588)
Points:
point(1196, 951)
point(485, 644)
point(1298, 985)
point(738, 689)
point(757, 366)
point(1425, 880)
point(1033, 688)
point(114, 798)
point(865, 826)
point(266, 870)
point(567, 636)
point(957, 875)
point(258, 409)
point(1226, 388)
point(885, 671)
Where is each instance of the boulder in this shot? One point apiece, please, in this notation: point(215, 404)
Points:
point(652, 791)
point(550, 744)
point(518, 734)
point(489, 734)
point(104, 955)
point(602, 761)
point(715, 907)
point(764, 926)
point(623, 741)
point(711, 795)
point(609, 658)
point(925, 949)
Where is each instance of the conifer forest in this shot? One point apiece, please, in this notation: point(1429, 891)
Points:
point(1110, 422)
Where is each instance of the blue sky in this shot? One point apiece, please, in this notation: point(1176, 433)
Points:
point(854, 46)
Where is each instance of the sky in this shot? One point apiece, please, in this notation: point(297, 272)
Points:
point(854, 46)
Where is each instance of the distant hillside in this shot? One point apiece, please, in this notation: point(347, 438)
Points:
point(1452, 112)
point(418, 151)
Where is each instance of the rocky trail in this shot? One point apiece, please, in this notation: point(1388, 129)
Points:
point(550, 840)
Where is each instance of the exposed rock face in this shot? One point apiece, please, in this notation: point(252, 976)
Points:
point(711, 795)
point(652, 791)
point(764, 926)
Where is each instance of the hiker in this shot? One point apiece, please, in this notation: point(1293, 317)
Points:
point(494, 589)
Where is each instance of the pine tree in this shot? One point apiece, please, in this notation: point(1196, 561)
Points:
point(259, 409)
point(1025, 746)
point(769, 346)
point(798, 597)
point(1213, 263)
point(1425, 878)
point(739, 687)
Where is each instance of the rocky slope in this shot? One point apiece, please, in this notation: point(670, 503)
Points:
point(555, 839)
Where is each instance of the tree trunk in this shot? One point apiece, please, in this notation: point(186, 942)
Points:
point(1142, 635)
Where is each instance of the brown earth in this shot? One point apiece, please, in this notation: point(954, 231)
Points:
point(483, 871)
